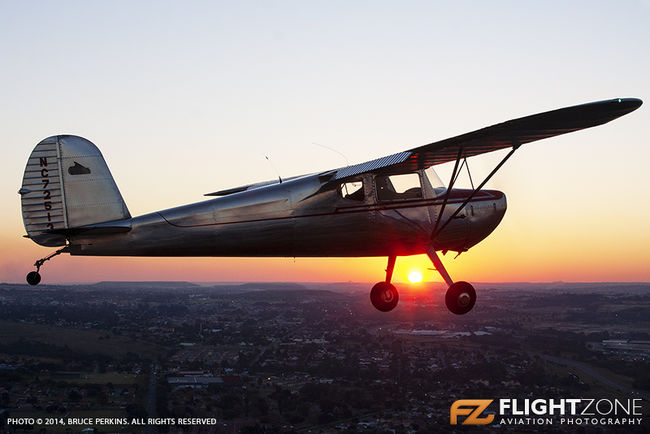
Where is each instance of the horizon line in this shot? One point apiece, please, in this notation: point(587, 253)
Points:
point(553, 282)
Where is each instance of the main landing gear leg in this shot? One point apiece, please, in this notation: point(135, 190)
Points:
point(460, 296)
point(33, 277)
point(384, 295)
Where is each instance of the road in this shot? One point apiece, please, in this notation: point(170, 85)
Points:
point(583, 367)
point(150, 405)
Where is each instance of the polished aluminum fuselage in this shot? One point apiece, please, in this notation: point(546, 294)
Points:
point(305, 216)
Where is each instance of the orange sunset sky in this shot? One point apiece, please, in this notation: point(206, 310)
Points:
point(185, 98)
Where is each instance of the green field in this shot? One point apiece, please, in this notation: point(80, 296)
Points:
point(109, 377)
point(82, 341)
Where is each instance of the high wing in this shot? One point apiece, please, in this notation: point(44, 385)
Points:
point(509, 134)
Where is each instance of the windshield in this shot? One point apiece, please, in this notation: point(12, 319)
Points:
point(435, 181)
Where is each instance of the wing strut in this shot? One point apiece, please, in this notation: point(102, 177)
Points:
point(452, 180)
point(437, 230)
point(469, 172)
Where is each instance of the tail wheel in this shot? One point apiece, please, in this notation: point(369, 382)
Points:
point(33, 278)
point(384, 296)
point(460, 298)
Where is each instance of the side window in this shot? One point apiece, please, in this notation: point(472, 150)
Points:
point(398, 187)
point(352, 190)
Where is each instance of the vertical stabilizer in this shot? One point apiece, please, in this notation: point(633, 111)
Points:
point(67, 184)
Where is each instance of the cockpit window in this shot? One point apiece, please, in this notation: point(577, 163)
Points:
point(352, 190)
point(398, 187)
point(435, 181)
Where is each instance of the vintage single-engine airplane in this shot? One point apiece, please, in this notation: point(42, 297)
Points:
point(392, 206)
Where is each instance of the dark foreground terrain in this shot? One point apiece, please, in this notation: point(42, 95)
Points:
point(311, 358)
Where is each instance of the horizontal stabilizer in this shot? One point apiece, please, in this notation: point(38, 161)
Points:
point(98, 229)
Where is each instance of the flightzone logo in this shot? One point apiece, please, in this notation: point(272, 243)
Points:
point(565, 411)
point(472, 409)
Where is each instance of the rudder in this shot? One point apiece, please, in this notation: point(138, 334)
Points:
point(67, 184)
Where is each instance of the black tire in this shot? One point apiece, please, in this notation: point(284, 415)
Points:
point(33, 278)
point(460, 298)
point(384, 296)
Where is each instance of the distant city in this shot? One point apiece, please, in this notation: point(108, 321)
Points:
point(311, 357)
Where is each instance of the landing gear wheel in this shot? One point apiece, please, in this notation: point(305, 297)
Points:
point(460, 298)
point(384, 296)
point(33, 278)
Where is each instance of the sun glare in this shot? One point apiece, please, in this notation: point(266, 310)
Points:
point(415, 276)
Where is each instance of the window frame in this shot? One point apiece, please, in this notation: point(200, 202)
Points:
point(397, 197)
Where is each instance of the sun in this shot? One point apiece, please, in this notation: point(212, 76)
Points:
point(415, 276)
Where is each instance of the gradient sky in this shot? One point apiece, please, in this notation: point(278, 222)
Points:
point(185, 98)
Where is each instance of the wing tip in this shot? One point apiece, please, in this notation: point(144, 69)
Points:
point(618, 107)
point(632, 103)
point(597, 112)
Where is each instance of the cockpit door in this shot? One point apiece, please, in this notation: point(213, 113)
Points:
point(402, 210)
